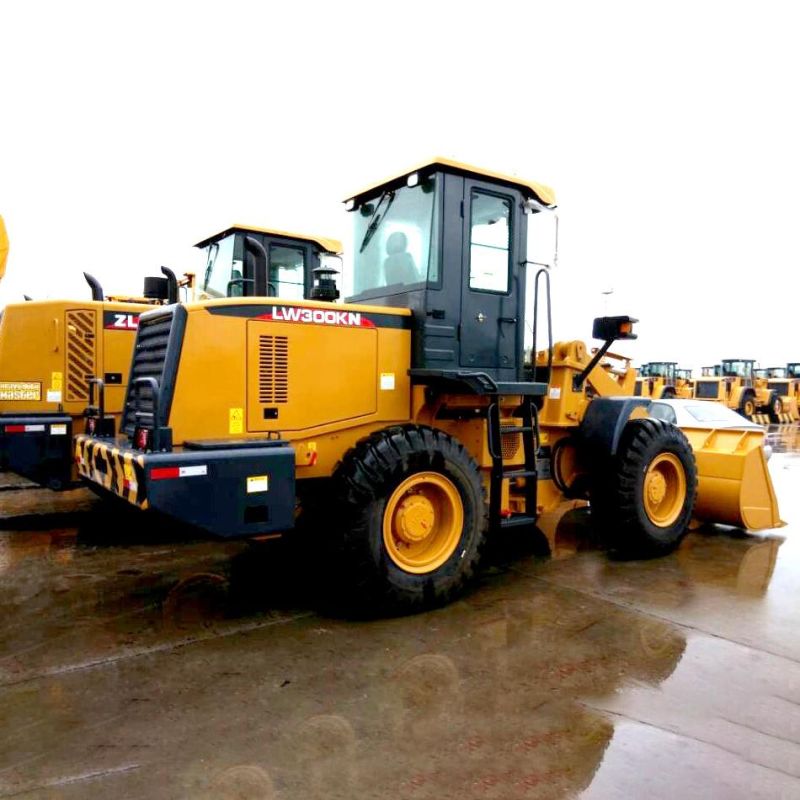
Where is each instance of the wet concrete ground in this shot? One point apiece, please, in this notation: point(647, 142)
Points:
point(141, 663)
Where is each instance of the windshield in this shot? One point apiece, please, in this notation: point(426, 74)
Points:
point(741, 369)
point(712, 372)
point(223, 264)
point(392, 238)
point(662, 369)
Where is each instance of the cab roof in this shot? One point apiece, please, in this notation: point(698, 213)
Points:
point(544, 194)
point(328, 245)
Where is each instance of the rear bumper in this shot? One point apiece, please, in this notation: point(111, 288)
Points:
point(230, 489)
point(38, 446)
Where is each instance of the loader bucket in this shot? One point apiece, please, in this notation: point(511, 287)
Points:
point(734, 486)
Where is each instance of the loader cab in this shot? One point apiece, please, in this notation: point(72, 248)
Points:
point(244, 261)
point(714, 371)
point(738, 368)
point(663, 369)
point(449, 242)
point(683, 374)
point(793, 370)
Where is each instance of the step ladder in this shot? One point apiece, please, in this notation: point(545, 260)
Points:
point(502, 471)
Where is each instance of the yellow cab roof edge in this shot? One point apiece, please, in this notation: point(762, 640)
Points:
point(543, 193)
point(328, 245)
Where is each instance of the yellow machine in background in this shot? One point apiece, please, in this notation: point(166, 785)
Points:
point(59, 356)
point(684, 384)
point(784, 384)
point(658, 381)
point(662, 380)
point(406, 423)
point(733, 383)
point(3, 248)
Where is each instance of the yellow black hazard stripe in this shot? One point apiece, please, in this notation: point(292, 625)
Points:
point(118, 471)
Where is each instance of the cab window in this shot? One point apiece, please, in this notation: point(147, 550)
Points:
point(286, 272)
point(490, 243)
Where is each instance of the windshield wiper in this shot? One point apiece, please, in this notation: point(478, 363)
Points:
point(375, 220)
point(210, 265)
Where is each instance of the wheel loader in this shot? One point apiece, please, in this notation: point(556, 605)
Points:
point(784, 382)
point(405, 425)
point(733, 383)
point(58, 356)
point(657, 380)
point(684, 384)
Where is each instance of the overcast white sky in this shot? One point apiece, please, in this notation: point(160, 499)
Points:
point(129, 131)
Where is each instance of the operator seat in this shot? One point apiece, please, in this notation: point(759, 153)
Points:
point(399, 267)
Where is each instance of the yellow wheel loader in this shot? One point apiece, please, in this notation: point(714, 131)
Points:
point(407, 421)
point(684, 385)
point(657, 380)
point(58, 356)
point(733, 382)
point(784, 384)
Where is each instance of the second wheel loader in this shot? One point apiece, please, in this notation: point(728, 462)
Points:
point(733, 382)
point(406, 422)
point(784, 384)
point(58, 356)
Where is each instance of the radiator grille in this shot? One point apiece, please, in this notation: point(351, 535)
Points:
point(782, 387)
point(707, 390)
point(81, 354)
point(149, 357)
point(273, 369)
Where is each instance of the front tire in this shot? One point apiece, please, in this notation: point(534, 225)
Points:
point(775, 407)
point(410, 520)
point(644, 500)
point(748, 407)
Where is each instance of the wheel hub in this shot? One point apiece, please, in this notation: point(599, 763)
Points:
point(656, 487)
point(415, 519)
point(422, 522)
point(664, 489)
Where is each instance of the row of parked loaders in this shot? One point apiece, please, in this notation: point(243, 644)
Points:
point(768, 395)
point(396, 431)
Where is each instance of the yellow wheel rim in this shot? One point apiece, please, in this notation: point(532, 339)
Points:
point(664, 489)
point(749, 408)
point(422, 523)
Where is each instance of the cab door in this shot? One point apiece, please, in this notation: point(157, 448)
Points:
point(489, 294)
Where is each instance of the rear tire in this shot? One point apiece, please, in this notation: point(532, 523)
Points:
point(644, 498)
point(410, 519)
